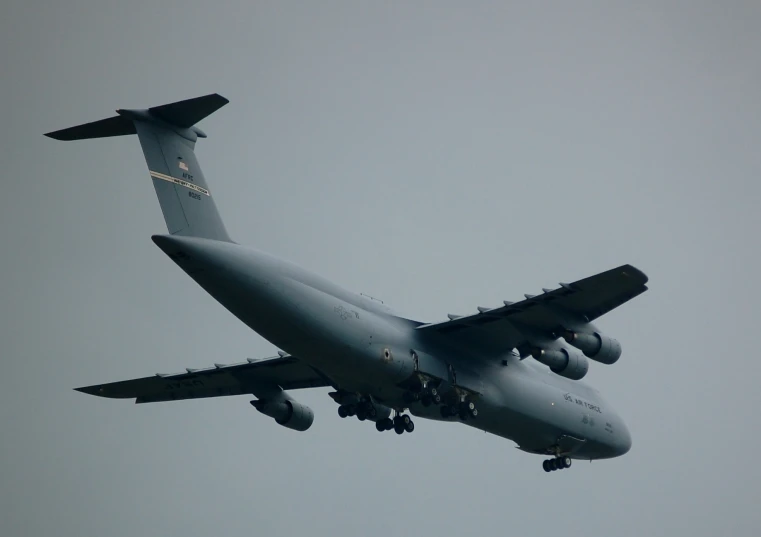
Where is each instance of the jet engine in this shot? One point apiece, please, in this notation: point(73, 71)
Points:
point(565, 362)
point(600, 348)
point(286, 412)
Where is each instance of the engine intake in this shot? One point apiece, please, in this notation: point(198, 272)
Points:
point(596, 346)
point(287, 413)
point(565, 362)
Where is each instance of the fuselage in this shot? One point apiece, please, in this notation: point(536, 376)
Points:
point(363, 347)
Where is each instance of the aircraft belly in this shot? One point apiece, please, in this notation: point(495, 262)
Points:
point(328, 333)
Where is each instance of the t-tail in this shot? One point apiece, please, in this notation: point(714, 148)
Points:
point(168, 136)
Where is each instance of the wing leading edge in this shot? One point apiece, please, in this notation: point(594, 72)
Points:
point(284, 371)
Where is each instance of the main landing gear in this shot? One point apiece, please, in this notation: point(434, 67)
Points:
point(427, 396)
point(558, 463)
point(401, 423)
point(363, 410)
point(465, 409)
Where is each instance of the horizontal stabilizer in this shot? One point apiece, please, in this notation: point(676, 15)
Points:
point(113, 126)
point(187, 113)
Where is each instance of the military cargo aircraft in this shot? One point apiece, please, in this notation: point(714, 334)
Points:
point(513, 370)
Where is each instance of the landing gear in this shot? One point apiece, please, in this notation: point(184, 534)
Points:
point(363, 410)
point(386, 424)
point(465, 409)
point(400, 424)
point(558, 463)
point(346, 411)
point(428, 395)
point(403, 423)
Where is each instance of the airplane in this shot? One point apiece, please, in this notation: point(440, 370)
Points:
point(513, 370)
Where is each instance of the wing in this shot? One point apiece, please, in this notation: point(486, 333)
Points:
point(544, 316)
point(285, 371)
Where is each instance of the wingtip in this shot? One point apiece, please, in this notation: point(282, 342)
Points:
point(634, 272)
point(90, 390)
point(55, 135)
point(100, 390)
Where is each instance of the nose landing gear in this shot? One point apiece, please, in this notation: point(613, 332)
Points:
point(558, 463)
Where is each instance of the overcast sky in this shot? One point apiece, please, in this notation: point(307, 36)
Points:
point(437, 155)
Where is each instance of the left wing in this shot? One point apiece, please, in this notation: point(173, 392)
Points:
point(284, 371)
point(545, 316)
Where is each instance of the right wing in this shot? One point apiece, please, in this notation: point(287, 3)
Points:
point(284, 371)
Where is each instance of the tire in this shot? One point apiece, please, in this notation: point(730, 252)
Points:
point(342, 411)
point(399, 430)
point(361, 416)
point(410, 426)
point(546, 466)
point(567, 462)
point(426, 401)
point(406, 420)
point(436, 398)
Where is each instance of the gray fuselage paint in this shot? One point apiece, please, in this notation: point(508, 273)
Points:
point(344, 335)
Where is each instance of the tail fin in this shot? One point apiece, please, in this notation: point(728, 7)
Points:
point(168, 135)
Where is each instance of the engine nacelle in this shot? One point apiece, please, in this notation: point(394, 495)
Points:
point(596, 346)
point(565, 362)
point(287, 413)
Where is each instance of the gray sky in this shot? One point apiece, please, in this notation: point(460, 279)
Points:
point(440, 156)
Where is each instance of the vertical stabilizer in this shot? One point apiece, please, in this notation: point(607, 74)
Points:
point(168, 136)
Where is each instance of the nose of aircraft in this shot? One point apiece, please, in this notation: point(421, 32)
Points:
point(624, 440)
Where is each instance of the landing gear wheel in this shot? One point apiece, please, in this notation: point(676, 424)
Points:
point(566, 462)
point(436, 398)
point(380, 426)
point(474, 412)
point(410, 426)
point(351, 410)
point(426, 400)
point(405, 420)
point(361, 415)
point(546, 466)
point(399, 429)
point(342, 411)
